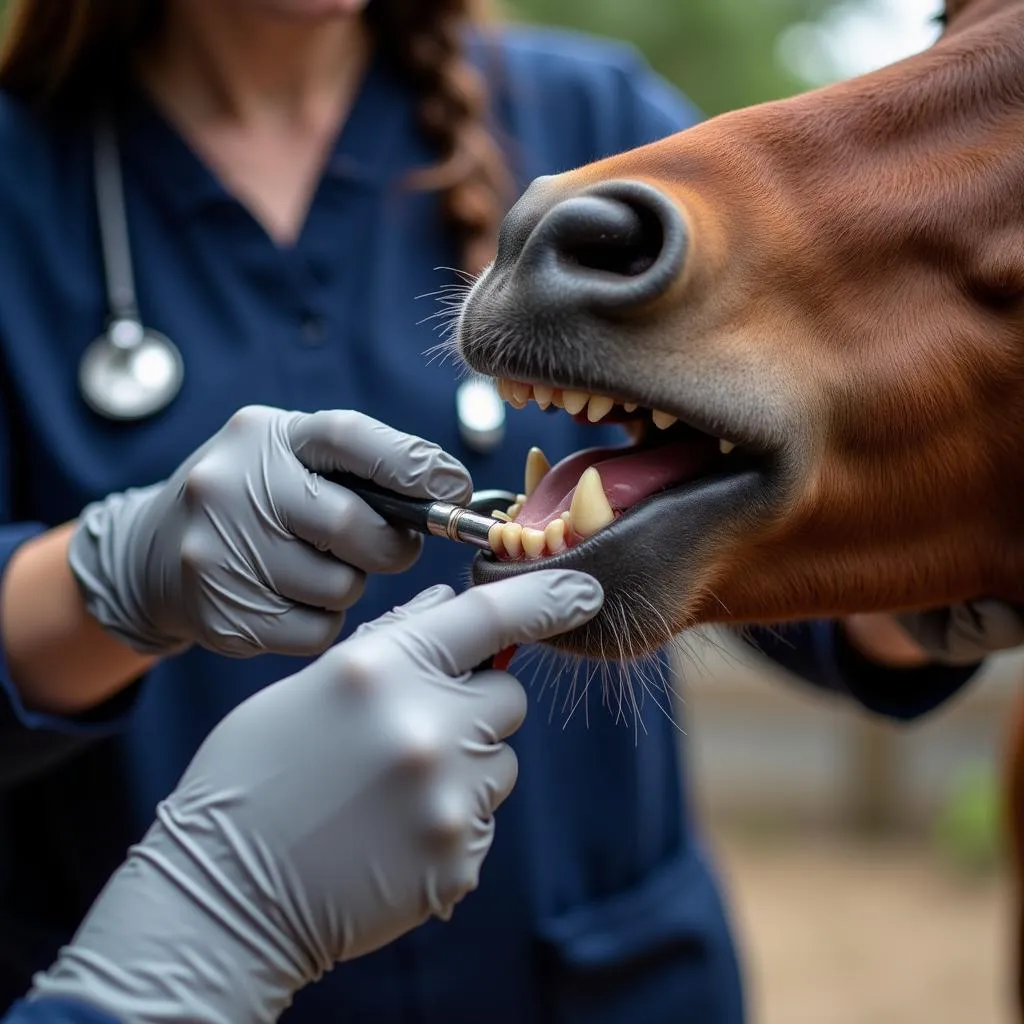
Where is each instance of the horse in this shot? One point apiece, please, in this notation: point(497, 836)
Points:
point(809, 316)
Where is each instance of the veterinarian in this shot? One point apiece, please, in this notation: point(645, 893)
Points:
point(277, 247)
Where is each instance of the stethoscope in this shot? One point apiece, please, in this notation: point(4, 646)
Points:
point(131, 372)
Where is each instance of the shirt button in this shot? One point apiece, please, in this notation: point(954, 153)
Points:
point(314, 330)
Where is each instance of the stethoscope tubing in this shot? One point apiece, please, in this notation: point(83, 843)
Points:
point(113, 222)
point(129, 372)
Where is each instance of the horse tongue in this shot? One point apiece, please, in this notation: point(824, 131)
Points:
point(628, 475)
point(553, 494)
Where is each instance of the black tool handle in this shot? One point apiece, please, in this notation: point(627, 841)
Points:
point(395, 508)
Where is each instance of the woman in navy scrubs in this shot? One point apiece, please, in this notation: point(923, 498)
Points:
point(266, 151)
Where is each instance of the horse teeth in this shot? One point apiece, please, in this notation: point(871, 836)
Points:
point(725, 446)
point(554, 535)
point(590, 512)
point(663, 420)
point(516, 394)
point(513, 540)
point(537, 467)
point(590, 509)
point(574, 401)
point(512, 535)
point(533, 542)
point(598, 407)
point(496, 538)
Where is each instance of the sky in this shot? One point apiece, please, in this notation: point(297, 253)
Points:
point(858, 36)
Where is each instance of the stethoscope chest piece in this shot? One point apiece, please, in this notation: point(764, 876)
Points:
point(481, 414)
point(130, 372)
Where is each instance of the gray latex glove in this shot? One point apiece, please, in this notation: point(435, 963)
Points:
point(245, 548)
point(966, 633)
point(324, 817)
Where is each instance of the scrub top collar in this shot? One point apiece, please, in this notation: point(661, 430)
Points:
point(368, 150)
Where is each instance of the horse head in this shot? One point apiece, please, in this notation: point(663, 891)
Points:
point(809, 314)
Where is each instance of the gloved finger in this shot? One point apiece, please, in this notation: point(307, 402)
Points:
point(306, 576)
point(298, 631)
point(967, 632)
point(498, 705)
point(986, 624)
point(333, 519)
point(460, 634)
point(344, 440)
point(452, 811)
point(425, 599)
point(500, 773)
point(461, 873)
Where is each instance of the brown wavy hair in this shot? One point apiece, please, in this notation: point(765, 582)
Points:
point(60, 56)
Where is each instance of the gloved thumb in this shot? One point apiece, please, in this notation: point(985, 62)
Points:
point(461, 633)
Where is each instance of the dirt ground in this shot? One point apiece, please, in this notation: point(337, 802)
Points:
point(840, 932)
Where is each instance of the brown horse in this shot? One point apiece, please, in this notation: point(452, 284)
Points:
point(811, 315)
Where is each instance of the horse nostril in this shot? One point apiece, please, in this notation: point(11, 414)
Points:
point(604, 234)
point(610, 249)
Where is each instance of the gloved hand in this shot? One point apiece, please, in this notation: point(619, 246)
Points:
point(245, 548)
point(324, 817)
point(965, 633)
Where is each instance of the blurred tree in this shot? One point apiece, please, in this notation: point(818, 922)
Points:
point(721, 53)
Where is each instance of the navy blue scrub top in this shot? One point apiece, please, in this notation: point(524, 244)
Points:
point(56, 1011)
point(596, 904)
